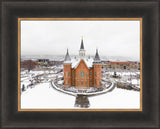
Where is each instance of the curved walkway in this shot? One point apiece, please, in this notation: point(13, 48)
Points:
point(63, 91)
point(111, 87)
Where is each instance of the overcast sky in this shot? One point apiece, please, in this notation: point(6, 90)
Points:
point(112, 38)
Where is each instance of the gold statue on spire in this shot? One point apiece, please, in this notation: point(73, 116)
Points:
point(81, 37)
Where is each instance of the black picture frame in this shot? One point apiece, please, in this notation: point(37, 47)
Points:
point(14, 9)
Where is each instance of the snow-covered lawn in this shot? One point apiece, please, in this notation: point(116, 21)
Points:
point(117, 99)
point(43, 96)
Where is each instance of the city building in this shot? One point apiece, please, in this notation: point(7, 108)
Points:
point(43, 62)
point(82, 72)
point(123, 65)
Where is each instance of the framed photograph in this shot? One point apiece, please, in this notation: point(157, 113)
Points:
point(70, 64)
point(81, 82)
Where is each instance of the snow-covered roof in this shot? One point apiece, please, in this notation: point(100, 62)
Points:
point(88, 62)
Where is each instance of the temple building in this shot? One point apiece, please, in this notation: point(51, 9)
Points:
point(82, 72)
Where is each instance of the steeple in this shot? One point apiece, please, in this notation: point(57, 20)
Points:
point(82, 51)
point(97, 58)
point(67, 58)
point(82, 46)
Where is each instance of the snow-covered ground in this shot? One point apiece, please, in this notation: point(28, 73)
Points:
point(43, 96)
point(117, 99)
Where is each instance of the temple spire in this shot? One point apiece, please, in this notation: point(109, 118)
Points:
point(67, 58)
point(82, 51)
point(97, 58)
point(82, 46)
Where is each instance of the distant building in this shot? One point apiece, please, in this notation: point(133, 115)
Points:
point(82, 72)
point(53, 63)
point(121, 65)
point(43, 62)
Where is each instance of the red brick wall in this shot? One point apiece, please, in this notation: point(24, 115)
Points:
point(91, 77)
point(97, 75)
point(76, 78)
point(73, 76)
point(82, 81)
point(67, 74)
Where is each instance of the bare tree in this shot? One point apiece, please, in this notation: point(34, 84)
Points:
point(28, 64)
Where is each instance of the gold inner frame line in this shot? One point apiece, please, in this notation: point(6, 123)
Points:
point(69, 19)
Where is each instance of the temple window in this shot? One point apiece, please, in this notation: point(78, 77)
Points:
point(81, 82)
point(82, 74)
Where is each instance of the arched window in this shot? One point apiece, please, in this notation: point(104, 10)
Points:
point(82, 74)
point(81, 82)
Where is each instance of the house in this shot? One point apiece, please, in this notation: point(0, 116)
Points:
point(82, 72)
